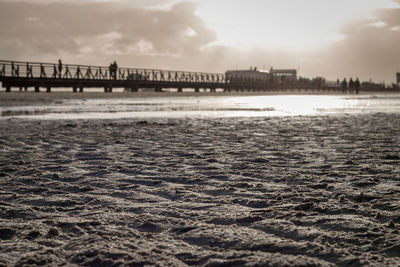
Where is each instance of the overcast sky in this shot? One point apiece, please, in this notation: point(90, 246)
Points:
point(329, 38)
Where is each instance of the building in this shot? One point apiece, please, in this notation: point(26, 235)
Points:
point(284, 74)
point(276, 75)
point(252, 73)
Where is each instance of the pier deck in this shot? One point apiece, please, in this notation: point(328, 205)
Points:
point(24, 75)
point(39, 75)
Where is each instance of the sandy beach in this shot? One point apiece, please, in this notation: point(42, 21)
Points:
point(279, 191)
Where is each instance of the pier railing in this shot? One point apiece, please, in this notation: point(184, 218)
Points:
point(37, 70)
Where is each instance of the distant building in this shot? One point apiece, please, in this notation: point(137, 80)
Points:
point(277, 75)
point(284, 74)
point(252, 73)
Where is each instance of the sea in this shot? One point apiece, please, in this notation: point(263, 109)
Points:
point(206, 106)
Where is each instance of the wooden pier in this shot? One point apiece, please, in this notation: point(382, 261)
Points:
point(45, 76)
point(36, 75)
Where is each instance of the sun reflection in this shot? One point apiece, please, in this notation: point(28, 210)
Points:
point(294, 104)
point(207, 107)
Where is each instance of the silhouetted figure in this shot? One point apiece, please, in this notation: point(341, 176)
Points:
point(60, 67)
point(357, 85)
point(55, 71)
point(42, 71)
point(29, 70)
point(344, 85)
point(351, 85)
point(12, 69)
point(113, 70)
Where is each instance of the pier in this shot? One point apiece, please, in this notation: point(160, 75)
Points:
point(41, 76)
point(45, 76)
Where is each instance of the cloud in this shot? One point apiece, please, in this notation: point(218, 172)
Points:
point(378, 24)
point(358, 49)
point(87, 29)
point(369, 51)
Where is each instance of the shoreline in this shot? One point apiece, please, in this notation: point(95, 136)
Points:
point(8, 99)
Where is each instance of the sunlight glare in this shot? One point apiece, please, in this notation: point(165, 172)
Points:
point(293, 104)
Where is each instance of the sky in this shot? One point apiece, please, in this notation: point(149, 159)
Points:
point(327, 38)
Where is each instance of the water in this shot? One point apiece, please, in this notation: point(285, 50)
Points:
point(207, 106)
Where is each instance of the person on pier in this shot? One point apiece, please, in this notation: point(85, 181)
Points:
point(351, 85)
point(357, 85)
point(42, 71)
point(55, 73)
point(110, 70)
point(344, 85)
point(115, 69)
point(60, 67)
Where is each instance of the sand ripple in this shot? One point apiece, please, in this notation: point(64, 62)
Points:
point(236, 191)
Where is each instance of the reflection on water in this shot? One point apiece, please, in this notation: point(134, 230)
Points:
point(207, 106)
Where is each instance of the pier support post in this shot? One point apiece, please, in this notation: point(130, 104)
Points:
point(74, 89)
point(26, 88)
point(8, 89)
point(80, 89)
point(48, 90)
point(20, 88)
point(105, 89)
point(110, 90)
point(179, 89)
point(197, 90)
point(133, 89)
point(37, 89)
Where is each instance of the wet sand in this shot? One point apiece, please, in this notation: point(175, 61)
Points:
point(31, 98)
point(282, 191)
